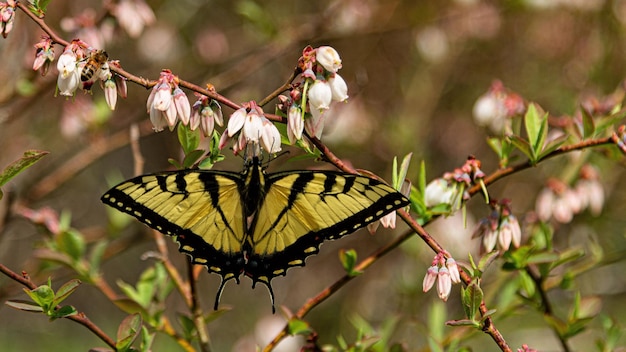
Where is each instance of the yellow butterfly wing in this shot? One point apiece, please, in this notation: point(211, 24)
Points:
point(302, 209)
point(201, 209)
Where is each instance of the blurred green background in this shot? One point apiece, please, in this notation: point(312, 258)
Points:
point(414, 70)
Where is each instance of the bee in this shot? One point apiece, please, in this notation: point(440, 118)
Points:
point(95, 62)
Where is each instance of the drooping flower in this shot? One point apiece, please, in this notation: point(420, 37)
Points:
point(329, 58)
point(501, 228)
point(168, 103)
point(253, 127)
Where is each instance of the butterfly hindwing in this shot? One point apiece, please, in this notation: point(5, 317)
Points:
point(201, 209)
point(304, 208)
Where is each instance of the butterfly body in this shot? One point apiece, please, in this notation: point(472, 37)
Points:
point(253, 223)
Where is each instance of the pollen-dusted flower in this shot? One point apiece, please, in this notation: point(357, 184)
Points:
point(329, 58)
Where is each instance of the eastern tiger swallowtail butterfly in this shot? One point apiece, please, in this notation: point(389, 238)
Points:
point(253, 223)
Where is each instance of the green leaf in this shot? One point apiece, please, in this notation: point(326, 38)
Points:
point(553, 145)
point(95, 258)
point(214, 315)
point(64, 291)
point(192, 157)
point(189, 140)
point(128, 331)
point(25, 306)
point(72, 243)
point(63, 312)
point(463, 322)
point(471, 296)
point(348, 259)
point(42, 295)
point(298, 327)
point(589, 127)
point(175, 163)
point(147, 339)
point(533, 125)
point(487, 259)
point(523, 146)
point(527, 283)
point(28, 159)
point(189, 328)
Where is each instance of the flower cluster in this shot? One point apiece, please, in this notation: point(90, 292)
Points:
point(168, 103)
point(560, 202)
point(445, 272)
point(7, 16)
point(495, 108)
point(253, 127)
point(309, 100)
point(205, 113)
point(451, 189)
point(501, 228)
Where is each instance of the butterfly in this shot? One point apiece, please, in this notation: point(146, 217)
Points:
point(253, 223)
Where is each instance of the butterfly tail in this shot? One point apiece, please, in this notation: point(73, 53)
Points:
point(218, 296)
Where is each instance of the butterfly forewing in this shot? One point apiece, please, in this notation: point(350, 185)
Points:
point(202, 209)
point(304, 208)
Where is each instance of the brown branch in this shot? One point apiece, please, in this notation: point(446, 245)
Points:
point(80, 318)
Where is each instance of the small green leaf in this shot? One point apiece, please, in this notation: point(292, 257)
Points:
point(189, 328)
point(72, 243)
point(348, 259)
point(527, 283)
point(175, 163)
point(95, 257)
point(523, 146)
point(472, 297)
point(463, 322)
point(28, 159)
point(62, 312)
point(64, 291)
point(532, 123)
point(215, 314)
point(193, 157)
point(42, 295)
point(589, 127)
point(487, 259)
point(553, 145)
point(298, 327)
point(128, 331)
point(189, 140)
point(147, 339)
point(25, 306)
